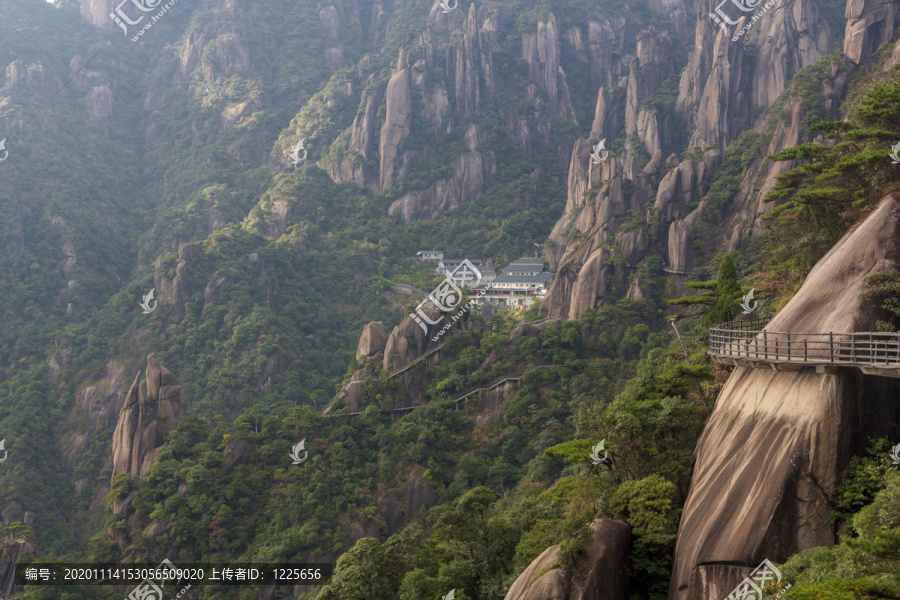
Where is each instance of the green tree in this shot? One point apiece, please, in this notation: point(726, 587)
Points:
point(723, 295)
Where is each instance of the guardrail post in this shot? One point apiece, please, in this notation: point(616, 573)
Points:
point(805, 354)
point(831, 344)
point(789, 345)
point(766, 345)
point(853, 345)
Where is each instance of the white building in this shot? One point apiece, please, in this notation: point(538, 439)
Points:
point(459, 271)
point(518, 284)
point(429, 255)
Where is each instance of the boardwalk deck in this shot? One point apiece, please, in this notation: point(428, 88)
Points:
point(742, 343)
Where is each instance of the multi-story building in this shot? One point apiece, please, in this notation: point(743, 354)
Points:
point(518, 284)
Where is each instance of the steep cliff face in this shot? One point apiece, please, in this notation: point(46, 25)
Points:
point(152, 408)
point(870, 23)
point(775, 447)
point(722, 92)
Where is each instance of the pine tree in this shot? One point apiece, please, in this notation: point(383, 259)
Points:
point(723, 296)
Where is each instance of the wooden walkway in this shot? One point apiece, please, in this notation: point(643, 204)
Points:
point(741, 343)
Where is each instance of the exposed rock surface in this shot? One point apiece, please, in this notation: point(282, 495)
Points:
point(777, 443)
point(102, 401)
point(372, 341)
point(870, 23)
point(470, 178)
point(396, 123)
point(152, 408)
point(605, 579)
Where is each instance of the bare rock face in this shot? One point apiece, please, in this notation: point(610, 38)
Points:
point(408, 341)
point(468, 60)
point(471, 174)
point(870, 23)
point(715, 83)
point(372, 341)
point(829, 299)
point(606, 578)
point(541, 51)
point(102, 401)
point(397, 121)
point(680, 238)
point(152, 408)
point(99, 102)
point(776, 445)
point(176, 291)
point(96, 12)
point(362, 135)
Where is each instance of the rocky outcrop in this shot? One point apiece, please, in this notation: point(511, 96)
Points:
point(408, 341)
point(372, 341)
point(102, 402)
point(96, 12)
point(715, 83)
point(470, 179)
point(606, 577)
point(178, 290)
point(777, 443)
point(870, 23)
point(152, 408)
point(680, 237)
point(541, 51)
point(397, 122)
point(353, 166)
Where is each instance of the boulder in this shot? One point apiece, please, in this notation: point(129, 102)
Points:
point(606, 577)
point(372, 341)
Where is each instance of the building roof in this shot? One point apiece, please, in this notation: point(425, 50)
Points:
point(457, 261)
point(530, 269)
point(528, 261)
point(537, 278)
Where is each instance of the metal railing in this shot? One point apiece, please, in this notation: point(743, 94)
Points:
point(746, 340)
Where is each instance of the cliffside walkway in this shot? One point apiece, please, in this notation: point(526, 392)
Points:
point(747, 344)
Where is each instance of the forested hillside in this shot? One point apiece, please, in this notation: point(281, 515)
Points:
point(270, 170)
